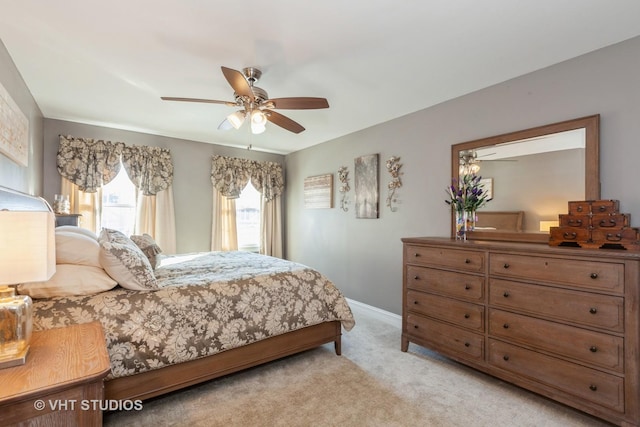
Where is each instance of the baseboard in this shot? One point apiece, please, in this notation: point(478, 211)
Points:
point(380, 314)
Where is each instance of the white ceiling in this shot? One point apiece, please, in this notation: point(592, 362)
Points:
point(109, 62)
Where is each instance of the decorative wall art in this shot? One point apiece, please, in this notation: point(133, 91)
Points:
point(366, 186)
point(343, 176)
point(318, 192)
point(14, 130)
point(393, 167)
point(487, 184)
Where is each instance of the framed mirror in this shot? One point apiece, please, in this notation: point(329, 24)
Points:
point(532, 174)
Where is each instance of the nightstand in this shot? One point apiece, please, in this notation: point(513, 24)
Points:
point(60, 380)
point(68, 219)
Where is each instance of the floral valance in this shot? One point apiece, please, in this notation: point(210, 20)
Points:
point(149, 168)
point(90, 164)
point(230, 175)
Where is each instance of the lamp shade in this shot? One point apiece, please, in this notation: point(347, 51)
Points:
point(27, 246)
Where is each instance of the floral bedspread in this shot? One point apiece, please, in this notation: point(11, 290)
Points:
point(208, 302)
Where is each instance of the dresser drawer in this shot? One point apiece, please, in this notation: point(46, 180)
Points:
point(444, 257)
point(600, 311)
point(590, 275)
point(466, 286)
point(591, 347)
point(449, 310)
point(446, 338)
point(586, 383)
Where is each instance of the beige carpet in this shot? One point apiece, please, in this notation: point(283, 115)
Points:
point(372, 384)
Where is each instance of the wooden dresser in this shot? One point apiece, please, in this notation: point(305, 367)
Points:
point(562, 322)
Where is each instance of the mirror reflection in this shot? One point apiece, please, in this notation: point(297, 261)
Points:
point(531, 175)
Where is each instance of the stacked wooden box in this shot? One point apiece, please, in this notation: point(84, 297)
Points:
point(595, 224)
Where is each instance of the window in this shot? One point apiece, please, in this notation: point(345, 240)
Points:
point(119, 204)
point(248, 219)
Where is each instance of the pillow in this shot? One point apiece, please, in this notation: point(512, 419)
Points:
point(148, 246)
point(70, 279)
point(78, 230)
point(125, 262)
point(76, 248)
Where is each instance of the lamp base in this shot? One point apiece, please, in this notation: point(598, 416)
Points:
point(14, 359)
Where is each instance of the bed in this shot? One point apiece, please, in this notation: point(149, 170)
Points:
point(197, 316)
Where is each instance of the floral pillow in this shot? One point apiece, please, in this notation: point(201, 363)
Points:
point(125, 262)
point(148, 246)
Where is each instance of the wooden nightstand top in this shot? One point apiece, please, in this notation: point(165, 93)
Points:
point(58, 359)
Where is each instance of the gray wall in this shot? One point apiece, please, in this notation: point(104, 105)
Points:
point(191, 182)
point(26, 179)
point(364, 256)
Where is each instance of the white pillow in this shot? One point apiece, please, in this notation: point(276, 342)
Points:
point(70, 280)
point(78, 230)
point(125, 262)
point(76, 248)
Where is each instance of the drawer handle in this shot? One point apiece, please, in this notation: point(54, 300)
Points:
point(593, 310)
point(593, 387)
point(415, 302)
point(575, 222)
point(467, 287)
point(506, 265)
point(467, 344)
point(593, 349)
point(614, 237)
point(602, 208)
point(466, 315)
point(506, 326)
point(467, 261)
point(608, 223)
point(416, 277)
point(570, 236)
point(415, 326)
point(506, 294)
point(506, 357)
point(594, 275)
point(416, 254)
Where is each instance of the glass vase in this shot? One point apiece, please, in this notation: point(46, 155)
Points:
point(465, 222)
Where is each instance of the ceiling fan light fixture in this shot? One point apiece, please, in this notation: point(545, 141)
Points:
point(258, 118)
point(257, 128)
point(236, 119)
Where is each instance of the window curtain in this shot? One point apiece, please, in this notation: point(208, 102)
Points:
point(89, 205)
point(224, 231)
point(86, 165)
point(151, 171)
point(229, 175)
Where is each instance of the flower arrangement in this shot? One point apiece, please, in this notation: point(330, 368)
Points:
point(467, 194)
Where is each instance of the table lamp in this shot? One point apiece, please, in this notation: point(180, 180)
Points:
point(27, 254)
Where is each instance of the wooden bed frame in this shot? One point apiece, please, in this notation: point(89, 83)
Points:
point(501, 221)
point(174, 377)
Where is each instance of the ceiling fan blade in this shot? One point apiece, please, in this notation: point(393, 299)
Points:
point(207, 101)
point(284, 122)
point(300, 103)
point(238, 82)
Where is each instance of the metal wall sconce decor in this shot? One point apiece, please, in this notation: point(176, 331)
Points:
point(343, 176)
point(393, 166)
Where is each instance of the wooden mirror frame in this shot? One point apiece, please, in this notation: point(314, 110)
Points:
point(591, 124)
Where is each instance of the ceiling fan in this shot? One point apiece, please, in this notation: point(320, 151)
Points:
point(470, 161)
point(256, 105)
